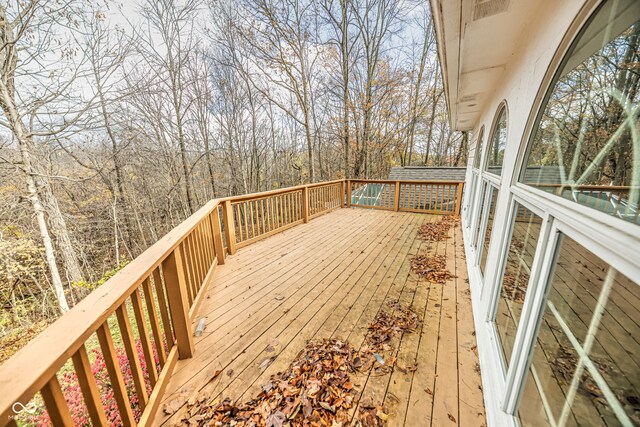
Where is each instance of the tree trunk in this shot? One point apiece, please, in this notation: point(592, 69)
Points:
point(25, 143)
point(344, 50)
point(59, 229)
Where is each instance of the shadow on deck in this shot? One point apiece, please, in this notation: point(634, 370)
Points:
point(329, 279)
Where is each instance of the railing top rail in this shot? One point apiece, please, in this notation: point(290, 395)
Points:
point(408, 181)
point(263, 194)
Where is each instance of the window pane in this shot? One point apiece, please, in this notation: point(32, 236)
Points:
point(497, 144)
point(594, 311)
point(478, 155)
point(487, 233)
point(479, 207)
point(470, 192)
point(586, 144)
point(525, 232)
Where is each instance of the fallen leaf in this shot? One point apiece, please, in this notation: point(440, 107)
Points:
point(452, 418)
point(173, 405)
point(382, 415)
point(215, 375)
point(326, 406)
point(265, 363)
point(275, 420)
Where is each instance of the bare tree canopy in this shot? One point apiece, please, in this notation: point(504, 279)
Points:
point(119, 121)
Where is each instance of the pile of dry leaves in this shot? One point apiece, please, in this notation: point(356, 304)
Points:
point(439, 230)
point(315, 391)
point(432, 267)
point(385, 326)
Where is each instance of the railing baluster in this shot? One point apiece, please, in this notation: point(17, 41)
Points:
point(163, 306)
point(209, 245)
point(189, 266)
point(178, 304)
point(458, 203)
point(56, 404)
point(229, 229)
point(305, 205)
point(263, 225)
point(274, 208)
point(153, 319)
point(89, 388)
point(252, 219)
point(145, 341)
point(200, 258)
point(238, 221)
point(245, 220)
point(115, 374)
point(285, 209)
point(132, 354)
point(196, 263)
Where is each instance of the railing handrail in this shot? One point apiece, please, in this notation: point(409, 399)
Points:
point(262, 194)
point(408, 181)
point(32, 367)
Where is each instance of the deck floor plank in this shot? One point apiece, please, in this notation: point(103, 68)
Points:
point(330, 278)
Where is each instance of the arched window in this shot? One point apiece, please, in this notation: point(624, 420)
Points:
point(497, 143)
point(585, 146)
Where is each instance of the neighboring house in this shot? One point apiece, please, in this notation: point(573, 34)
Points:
point(548, 91)
point(427, 173)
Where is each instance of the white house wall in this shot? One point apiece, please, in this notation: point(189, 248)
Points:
point(521, 86)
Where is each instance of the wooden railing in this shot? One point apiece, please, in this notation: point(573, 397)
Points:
point(434, 197)
point(158, 292)
point(144, 313)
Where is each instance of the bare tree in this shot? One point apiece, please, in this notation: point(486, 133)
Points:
point(36, 107)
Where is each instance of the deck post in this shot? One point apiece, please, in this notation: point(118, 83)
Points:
point(396, 197)
point(348, 195)
point(305, 204)
point(342, 188)
point(459, 198)
point(229, 226)
point(178, 302)
point(216, 228)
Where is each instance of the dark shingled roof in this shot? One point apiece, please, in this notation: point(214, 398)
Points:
point(427, 173)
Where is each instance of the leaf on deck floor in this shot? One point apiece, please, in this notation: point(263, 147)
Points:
point(439, 230)
point(315, 390)
point(182, 398)
point(432, 267)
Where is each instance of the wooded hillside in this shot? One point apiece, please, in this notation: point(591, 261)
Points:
point(117, 124)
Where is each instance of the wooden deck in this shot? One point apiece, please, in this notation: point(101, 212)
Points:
point(328, 279)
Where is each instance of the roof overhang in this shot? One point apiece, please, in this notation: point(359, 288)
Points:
point(476, 40)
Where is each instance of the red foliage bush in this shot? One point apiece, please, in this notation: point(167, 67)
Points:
point(74, 397)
